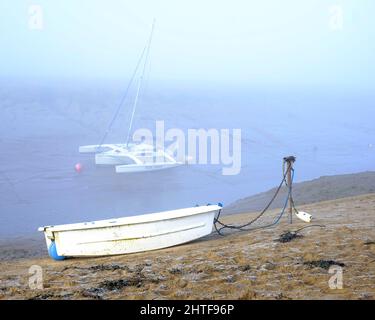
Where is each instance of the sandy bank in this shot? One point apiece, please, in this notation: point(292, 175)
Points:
point(241, 265)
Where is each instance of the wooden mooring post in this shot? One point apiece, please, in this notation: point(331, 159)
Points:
point(289, 167)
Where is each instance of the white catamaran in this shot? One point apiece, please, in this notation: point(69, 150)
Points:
point(131, 157)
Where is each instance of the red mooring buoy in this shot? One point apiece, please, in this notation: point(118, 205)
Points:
point(78, 167)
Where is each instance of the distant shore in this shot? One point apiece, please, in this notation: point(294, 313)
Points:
point(317, 190)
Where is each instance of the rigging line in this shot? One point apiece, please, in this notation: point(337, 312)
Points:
point(147, 77)
point(123, 98)
point(140, 83)
point(133, 112)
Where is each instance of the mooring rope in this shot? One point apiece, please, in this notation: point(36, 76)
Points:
point(244, 227)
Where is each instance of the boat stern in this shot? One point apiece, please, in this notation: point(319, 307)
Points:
point(52, 247)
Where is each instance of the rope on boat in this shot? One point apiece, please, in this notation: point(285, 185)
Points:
point(245, 227)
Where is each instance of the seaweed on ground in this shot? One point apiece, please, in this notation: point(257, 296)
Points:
point(121, 283)
point(288, 236)
point(324, 264)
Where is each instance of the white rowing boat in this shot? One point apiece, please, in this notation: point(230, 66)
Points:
point(129, 234)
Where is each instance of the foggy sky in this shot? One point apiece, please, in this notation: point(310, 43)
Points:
point(272, 42)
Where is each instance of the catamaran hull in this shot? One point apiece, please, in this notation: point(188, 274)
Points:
point(131, 234)
point(104, 159)
point(131, 158)
point(145, 167)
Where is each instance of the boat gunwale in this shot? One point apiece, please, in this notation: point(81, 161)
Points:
point(132, 220)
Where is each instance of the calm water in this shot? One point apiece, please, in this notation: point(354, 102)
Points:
point(42, 126)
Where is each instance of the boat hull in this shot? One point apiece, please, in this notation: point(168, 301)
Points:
point(125, 237)
point(109, 159)
point(146, 167)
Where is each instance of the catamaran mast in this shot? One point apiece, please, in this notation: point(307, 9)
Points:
point(122, 99)
point(140, 83)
